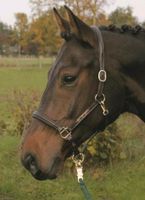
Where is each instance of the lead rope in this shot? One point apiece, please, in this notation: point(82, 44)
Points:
point(78, 161)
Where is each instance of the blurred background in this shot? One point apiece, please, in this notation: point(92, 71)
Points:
point(29, 42)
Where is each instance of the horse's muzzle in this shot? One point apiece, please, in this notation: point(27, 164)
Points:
point(31, 164)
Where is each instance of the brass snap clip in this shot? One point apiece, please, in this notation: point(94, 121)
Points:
point(101, 101)
point(78, 160)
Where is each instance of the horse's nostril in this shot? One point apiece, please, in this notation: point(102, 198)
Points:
point(31, 164)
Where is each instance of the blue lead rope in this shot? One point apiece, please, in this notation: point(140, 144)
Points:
point(78, 160)
point(84, 190)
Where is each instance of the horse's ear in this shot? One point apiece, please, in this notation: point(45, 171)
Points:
point(63, 25)
point(80, 29)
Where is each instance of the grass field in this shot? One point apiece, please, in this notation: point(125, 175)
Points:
point(124, 180)
point(28, 78)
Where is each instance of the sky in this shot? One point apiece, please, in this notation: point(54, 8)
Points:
point(9, 7)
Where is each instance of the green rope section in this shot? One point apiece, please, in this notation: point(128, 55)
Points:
point(85, 190)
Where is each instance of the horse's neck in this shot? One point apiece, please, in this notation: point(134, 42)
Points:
point(130, 54)
point(127, 49)
point(135, 96)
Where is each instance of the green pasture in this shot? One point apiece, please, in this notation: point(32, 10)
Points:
point(21, 74)
point(25, 74)
point(122, 180)
point(20, 62)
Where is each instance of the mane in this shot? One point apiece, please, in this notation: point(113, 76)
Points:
point(124, 29)
point(113, 28)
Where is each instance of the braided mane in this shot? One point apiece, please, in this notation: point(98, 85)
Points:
point(113, 28)
point(124, 29)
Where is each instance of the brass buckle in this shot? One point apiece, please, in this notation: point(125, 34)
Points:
point(102, 76)
point(65, 133)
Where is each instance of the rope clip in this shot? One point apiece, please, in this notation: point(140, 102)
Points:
point(78, 160)
point(101, 101)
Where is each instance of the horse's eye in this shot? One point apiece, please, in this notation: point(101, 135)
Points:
point(68, 79)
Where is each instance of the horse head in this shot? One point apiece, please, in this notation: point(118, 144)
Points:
point(75, 96)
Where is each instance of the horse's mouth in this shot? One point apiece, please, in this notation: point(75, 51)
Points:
point(43, 176)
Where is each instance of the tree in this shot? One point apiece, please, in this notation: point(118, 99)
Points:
point(143, 24)
point(21, 29)
point(88, 10)
point(40, 7)
point(43, 33)
point(5, 38)
point(122, 16)
point(102, 19)
point(37, 7)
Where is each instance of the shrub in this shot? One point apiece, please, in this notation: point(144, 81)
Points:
point(24, 103)
point(105, 148)
point(3, 127)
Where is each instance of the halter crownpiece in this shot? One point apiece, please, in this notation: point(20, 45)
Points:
point(99, 99)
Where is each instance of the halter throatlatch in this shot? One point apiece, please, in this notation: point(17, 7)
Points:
point(99, 99)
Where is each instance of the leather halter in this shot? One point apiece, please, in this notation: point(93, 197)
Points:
point(99, 98)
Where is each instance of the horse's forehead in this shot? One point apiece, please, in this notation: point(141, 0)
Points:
point(73, 52)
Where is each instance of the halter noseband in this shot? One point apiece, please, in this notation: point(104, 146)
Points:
point(99, 99)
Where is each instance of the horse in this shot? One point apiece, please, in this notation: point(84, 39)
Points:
point(98, 74)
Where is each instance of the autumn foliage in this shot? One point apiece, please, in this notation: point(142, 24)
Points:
point(39, 34)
